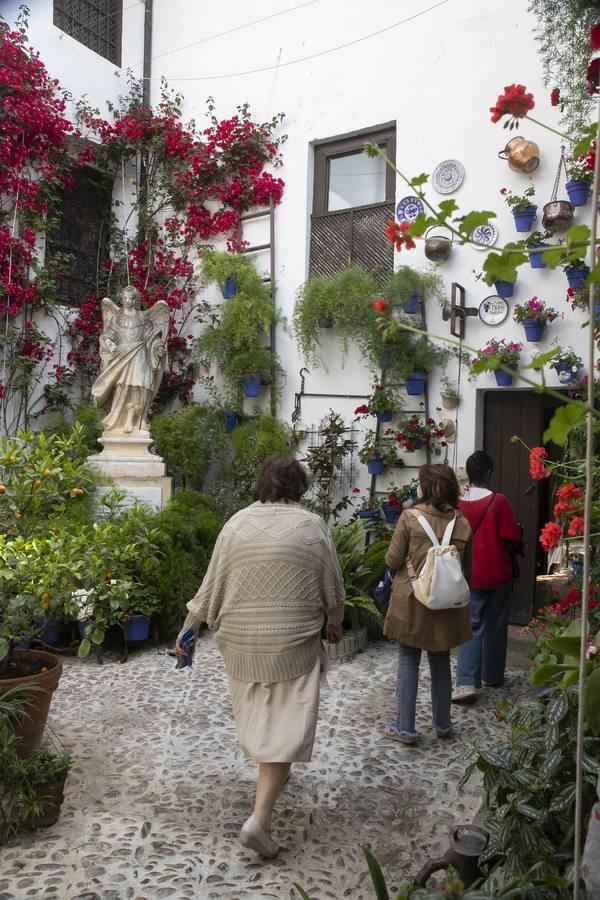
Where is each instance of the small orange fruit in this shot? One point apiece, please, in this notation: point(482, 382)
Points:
point(47, 472)
point(18, 515)
point(37, 483)
point(45, 596)
point(2, 488)
point(77, 492)
point(44, 606)
point(109, 575)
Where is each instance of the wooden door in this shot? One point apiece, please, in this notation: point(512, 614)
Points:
point(526, 414)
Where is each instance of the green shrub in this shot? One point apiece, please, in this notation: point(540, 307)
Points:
point(186, 533)
point(190, 441)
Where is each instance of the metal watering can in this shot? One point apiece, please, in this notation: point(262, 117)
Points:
point(522, 155)
point(467, 843)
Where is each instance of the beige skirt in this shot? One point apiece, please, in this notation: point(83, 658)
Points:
point(276, 722)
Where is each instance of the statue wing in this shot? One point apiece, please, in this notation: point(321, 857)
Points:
point(159, 316)
point(109, 311)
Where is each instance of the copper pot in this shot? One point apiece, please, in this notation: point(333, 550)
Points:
point(438, 247)
point(522, 155)
point(558, 215)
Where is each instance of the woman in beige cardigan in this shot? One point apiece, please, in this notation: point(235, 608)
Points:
point(412, 624)
point(272, 578)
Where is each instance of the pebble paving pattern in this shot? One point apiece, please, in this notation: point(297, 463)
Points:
point(160, 788)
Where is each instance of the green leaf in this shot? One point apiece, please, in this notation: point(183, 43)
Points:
point(98, 636)
point(577, 240)
point(542, 359)
point(84, 648)
point(488, 364)
point(4, 647)
point(566, 417)
point(550, 764)
point(551, 735)
point(570, 678)
point(447, 207)
point(566, 646)
point(381, 891)
point(493, 759)
point(589, 764)
point(467, 223)
point(592, 701)
point(557, 709)
point(301, 891)
point(563, 800)
point(543, 674)
point(419, 180)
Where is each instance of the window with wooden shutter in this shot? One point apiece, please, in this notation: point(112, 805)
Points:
point(353, 200)
point(94, 23)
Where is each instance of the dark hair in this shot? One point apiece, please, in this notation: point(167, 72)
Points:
point(479, 465)
point(281, 477)
point(439, 485)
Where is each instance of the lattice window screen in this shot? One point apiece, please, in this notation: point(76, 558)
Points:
point(94, 23)
point(351, 238)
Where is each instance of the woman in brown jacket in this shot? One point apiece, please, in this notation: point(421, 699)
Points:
point(412, 624)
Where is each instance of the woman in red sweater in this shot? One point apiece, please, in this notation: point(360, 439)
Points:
point(492, 524)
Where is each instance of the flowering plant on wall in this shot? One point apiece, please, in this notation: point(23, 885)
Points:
point(382, 448)
point(535, 310)
point(416, 431)
point(497, 350)
point(518, 202)
point(381, 402)
point(581, 168)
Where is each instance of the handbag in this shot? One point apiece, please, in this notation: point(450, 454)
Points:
point(382, 592)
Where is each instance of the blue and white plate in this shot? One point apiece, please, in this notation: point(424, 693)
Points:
point(484, 236)
point(408, 209)
point(493, 310)
point(448, 176)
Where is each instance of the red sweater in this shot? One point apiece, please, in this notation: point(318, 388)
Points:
point(492, 566)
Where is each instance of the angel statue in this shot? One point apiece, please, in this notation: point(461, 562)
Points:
point(133, 359)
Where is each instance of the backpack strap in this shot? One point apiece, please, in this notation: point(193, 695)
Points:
point(448, 532)
point(428, 530)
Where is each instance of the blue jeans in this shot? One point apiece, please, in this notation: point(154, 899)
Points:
point(484, 656)
point(408, 682)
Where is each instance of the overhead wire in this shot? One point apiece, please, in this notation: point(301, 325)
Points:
point(292, 62)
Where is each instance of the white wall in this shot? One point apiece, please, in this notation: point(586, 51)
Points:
point(435, 75)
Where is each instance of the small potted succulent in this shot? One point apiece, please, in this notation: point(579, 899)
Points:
point(416, 432)
point(534, 317)
point(567, 364)
point(522, 207)
point(450, 394)
point(381, 403)
point(498, 351)
point(378, 454)
point(579, 185)
point(576, 271)
point(535, 244)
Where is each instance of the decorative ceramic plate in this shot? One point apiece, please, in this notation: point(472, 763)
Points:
point(408, 209)
point(493, 310)
point(484, 236)
point(448, 176)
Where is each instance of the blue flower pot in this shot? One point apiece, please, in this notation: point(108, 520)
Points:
point(326, 323)
point(82, 624)
point(503, 379)
point(566, 375)
point(534, 332)
point(251, 385)
point(372, 514)
point(51, 633)
point(412, 305)
point(576, 277)
point(382, 362)
point(231, 418)
point(579, 192)
point(137, 627)
point(415, 383)
point(535, 259)
point(391, 513)
point(375, 466)
point(229, 288)
point(505, 288)
point(597, 309)
point(385, 416)
point(414, 495)
point(524, 218)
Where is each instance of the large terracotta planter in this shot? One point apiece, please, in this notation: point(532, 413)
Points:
point(31, 728)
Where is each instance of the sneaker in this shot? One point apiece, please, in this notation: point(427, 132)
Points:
point(254, 837)
point(465, 693)
point(390, 731)
point(444, 735)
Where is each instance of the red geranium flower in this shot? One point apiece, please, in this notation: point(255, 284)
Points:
point(592, 75)
point(380, 305)
point(576, 526)
point(399, 235)
point(550, 535)
point(595, 36)
point(515, 102)
point(363, 409)
point(555, 96)
point(537, 469)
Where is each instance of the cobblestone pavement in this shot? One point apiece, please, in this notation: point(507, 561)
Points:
point(160, 789)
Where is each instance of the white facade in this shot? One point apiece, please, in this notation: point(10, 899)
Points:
point(432, 69)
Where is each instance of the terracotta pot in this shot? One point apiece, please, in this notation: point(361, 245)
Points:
point(51, 797)
point(31, 727)
point(522, 155)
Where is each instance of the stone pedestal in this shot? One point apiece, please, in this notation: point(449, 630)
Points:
point(127, 460)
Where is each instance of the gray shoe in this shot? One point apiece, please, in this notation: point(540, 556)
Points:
point(465, 693)
point(254, 837)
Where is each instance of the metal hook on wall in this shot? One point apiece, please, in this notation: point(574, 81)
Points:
point(298, 396)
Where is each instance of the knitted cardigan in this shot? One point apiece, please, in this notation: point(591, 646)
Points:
point(273, 574)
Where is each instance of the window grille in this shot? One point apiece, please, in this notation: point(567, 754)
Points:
point(83, 231)
point(94, 23)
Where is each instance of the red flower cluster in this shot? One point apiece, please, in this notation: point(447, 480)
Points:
point(555, 96)
point(568, 498)
point(576, 526)
point(592, 76)
point(537, 468)
point(550, 535)
point(595, 36)
point(399, 234)
point(515, 102)
point(380, 305)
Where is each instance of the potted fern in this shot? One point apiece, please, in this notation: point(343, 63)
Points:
point(233, 272)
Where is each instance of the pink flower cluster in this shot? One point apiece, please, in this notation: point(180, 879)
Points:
point(535, 310)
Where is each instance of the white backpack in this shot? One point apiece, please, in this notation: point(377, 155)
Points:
point(441, 583)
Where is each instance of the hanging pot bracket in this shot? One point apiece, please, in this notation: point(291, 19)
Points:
point(456, 312)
